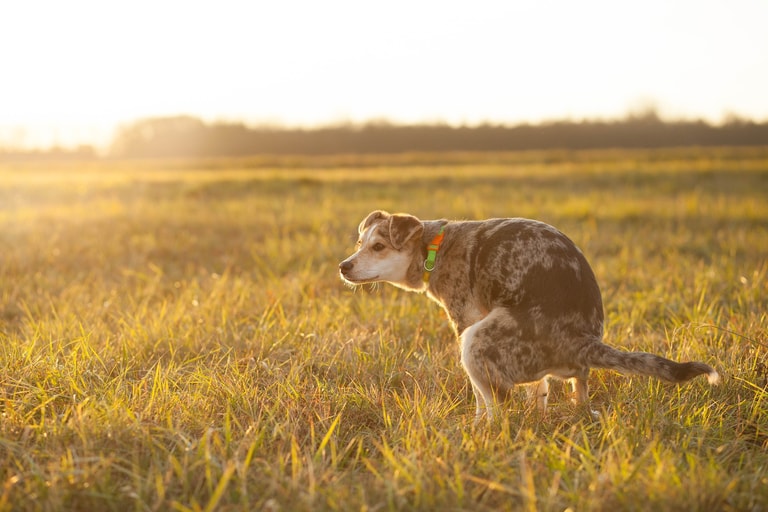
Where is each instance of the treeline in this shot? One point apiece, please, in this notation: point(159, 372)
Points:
point(190, 137)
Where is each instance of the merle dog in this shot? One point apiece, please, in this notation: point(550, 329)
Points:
point(520, 295)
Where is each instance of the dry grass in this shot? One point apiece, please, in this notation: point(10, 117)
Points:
point(174, 336)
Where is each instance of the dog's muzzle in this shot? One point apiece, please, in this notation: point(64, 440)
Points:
point(345, 267)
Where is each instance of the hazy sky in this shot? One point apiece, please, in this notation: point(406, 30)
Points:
point(70, 71)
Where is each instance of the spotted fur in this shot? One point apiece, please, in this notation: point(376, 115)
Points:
point(520, 295)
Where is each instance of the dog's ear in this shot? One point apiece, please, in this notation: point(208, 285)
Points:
point(402, 228)
point(373, 216)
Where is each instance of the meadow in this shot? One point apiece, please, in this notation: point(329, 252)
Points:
point(174, 336)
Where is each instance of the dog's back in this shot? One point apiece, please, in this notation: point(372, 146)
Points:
point(524, 266)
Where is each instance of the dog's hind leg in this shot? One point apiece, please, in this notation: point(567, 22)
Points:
point(539, 391)
point(481, 386)
point(477, 372)
point(581, 388)
point(483, 406)
point(581, 392)
point(492, 354)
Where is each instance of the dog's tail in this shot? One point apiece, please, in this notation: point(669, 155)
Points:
point(600, 355)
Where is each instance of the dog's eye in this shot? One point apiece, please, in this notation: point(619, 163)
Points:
point(378, 246)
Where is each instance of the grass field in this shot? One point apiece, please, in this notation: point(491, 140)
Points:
point(174, 336)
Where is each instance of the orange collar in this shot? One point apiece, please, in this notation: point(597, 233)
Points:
point(432, 248)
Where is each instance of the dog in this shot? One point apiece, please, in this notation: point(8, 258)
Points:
point(520, 295)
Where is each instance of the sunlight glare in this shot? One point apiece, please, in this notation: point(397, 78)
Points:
point(79, 68)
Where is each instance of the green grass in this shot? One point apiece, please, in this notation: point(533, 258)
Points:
point(174, 336)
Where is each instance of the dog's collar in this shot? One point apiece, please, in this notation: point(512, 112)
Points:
point(432, 248)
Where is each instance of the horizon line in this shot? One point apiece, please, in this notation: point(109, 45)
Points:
point(648, 113)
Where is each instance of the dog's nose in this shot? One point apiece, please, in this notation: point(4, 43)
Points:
point(346, 266)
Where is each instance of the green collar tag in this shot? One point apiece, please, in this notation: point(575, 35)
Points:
point(432, 248)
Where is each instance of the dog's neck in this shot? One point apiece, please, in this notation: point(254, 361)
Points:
point(431, 228)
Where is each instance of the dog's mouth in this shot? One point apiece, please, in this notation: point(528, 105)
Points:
point(357, 280)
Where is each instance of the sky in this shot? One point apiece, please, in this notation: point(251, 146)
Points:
point(72, 71)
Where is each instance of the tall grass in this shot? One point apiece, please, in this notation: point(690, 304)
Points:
point(174, 336)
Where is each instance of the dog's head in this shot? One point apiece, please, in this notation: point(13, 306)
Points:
point(386, 251)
